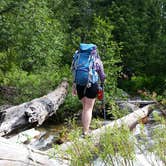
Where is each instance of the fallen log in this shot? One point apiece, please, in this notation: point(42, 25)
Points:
point(35, 112)
point(130, 120)
point(15, 154)
point(19, 155)
point(136, 102)
point(128, 106)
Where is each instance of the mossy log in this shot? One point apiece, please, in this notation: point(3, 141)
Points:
point(33, 113)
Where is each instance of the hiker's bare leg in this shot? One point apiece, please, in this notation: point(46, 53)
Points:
point(87, 112)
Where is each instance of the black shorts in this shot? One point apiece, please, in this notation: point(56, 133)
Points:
point(90, 92)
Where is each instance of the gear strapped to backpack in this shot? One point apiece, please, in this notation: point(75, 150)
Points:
point(83, 65)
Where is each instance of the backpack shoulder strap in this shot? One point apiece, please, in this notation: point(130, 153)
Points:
point(75, 57)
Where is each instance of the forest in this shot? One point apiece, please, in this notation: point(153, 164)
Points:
point(37, 41)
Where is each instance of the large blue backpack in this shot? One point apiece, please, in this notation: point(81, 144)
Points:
point(83, 65)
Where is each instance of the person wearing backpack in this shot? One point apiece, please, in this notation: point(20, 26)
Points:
point(87, 69)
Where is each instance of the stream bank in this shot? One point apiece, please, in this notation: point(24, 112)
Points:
point(42, 138)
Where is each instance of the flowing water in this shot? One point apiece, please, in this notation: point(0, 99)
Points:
point(41, 138)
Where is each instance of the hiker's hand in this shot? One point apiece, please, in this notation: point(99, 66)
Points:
point(102, 84)
point(74, 91)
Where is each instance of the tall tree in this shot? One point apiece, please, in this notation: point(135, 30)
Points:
point(138, 24)
point(31, 47)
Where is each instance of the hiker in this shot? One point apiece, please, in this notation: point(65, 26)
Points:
point(87, 68)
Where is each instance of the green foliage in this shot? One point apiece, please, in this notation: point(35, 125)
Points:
point(160, 143)
point(157, 142)
point(108, 49)
point(38, 39)
point(144, 82)
point(140, 26)
point(81, 152)
point(70, 107)
point(30, 49)
point(95, 123)
point(114, 143)
point(30, 86)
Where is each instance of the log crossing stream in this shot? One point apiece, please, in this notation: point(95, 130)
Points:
point(42, 138)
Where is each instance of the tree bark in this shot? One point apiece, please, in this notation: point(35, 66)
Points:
point(19, 155)
point(130, 120)
point(35, 112)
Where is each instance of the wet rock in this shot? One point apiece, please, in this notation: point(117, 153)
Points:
point(45, 141)
point(26, 136)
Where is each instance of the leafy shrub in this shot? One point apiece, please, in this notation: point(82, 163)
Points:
point(149, 83)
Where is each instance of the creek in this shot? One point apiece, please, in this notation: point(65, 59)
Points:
point(144, 156)
point(42, 138)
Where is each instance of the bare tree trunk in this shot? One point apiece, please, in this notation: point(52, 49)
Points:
point(32, 113)
point(136, 102)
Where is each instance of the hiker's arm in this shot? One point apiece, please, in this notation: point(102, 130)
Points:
point(100, 70)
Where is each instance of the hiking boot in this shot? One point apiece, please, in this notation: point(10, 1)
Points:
point(86, 134)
